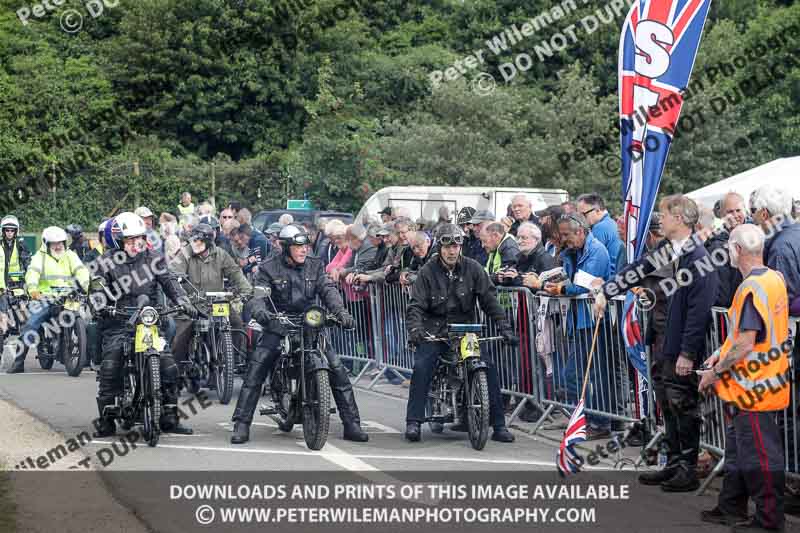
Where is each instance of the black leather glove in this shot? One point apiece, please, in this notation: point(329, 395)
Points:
point(261, 317)
point(346, 319)
point(509, 338)
point(190, 309)
point(416, 337)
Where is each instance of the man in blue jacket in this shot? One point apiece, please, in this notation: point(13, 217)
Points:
point(583, 253)
point(691, 291)
point(604, 229)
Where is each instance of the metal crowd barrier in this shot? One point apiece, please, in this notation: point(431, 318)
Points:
point(548, 367)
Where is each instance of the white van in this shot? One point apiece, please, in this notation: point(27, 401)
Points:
point(424, 202)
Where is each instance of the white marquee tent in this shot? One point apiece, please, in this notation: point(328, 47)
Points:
point(783, 173)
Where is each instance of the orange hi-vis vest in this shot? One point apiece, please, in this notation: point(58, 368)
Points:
point(760, 381)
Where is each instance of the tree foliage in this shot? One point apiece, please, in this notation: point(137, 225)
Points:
point(335, 100)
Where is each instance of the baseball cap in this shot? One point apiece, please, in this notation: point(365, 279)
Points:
point(482, 216)
point(386, 211)
point(553, 211)
point(143, 212)
point(274, 228)
point(386, 229)
point(373, 229)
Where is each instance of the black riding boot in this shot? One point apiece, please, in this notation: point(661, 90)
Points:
point(345, 400)
point(104, 424)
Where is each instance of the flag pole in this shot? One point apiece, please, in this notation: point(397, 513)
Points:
point(591, 354)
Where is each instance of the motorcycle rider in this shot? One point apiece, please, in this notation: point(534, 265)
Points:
point(16, 256)
point(445, 292)
point(77, 244)
point(52, 267)
point(205, 266)
point(296, 280)
point(148, 271)
point(220, 240)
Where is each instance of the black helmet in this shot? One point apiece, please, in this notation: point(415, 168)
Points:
point(448, 234)
point(74, 230)
point(202, 232)
point(292, 234)
point(465, 215)
point(211, 221)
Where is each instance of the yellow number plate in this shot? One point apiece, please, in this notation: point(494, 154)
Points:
point(72, 306)
point(17, 292)
point(469, 346)
point(221, 309)
point(147, 337)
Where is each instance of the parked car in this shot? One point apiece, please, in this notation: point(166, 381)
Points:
point(263, 219)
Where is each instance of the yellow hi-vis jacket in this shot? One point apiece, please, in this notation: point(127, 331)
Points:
point(186, 210)
point(14, 265)
point(46, 272)
point(760, 381)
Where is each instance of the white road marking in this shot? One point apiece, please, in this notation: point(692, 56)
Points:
point(359, 455)
point(352, 463)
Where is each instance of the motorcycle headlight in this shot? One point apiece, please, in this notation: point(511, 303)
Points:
point(314, 317)
point(148, 316)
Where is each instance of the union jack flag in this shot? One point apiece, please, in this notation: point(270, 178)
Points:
point(567, 459)
point(657, 50)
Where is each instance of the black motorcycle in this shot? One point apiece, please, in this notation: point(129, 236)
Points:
point(16, 297)
point(62, 337)
point(211, 354)
point(460, 385)
point(300, 382)
point(140, 401)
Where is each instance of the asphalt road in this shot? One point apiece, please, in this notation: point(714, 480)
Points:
point(140, 477)
point(68, 405)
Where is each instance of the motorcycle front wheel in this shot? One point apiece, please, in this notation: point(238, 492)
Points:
point(152, 401)
point(317, 409)
point(73, 348)
point(224, 367)
point(477, 404)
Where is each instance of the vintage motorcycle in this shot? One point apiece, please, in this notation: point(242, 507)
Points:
point(62, 338)
point(460, 384)
point(211, 353)
point(140, 401)
point(300, 382)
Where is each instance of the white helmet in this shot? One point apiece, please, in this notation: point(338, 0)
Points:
point(131, 225)
point(53, 234)
point(10, 221)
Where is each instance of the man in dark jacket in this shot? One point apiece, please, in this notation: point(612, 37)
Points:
point(446, 292)
point(772, 209)
point(734, 213)
point(532, 260)
point(296, 281)
point(522, 209)
point(473, 246)
point(690, 292)
point(149, 271)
